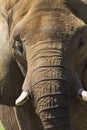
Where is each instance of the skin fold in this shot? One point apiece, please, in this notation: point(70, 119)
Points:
point(55, 43)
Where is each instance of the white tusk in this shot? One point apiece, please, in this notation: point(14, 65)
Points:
point(84, 95)
point(22, 98)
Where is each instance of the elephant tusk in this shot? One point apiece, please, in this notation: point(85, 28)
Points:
point(84, 95)
point(22, 99)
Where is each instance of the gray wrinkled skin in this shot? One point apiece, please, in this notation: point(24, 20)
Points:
point(43, 27)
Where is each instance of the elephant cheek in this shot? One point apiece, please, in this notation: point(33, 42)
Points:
point(10, 83)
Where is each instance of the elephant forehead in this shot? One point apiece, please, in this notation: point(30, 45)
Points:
point(45, 17)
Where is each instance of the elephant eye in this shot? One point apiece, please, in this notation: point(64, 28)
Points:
point(18, 45)
point(82, 42)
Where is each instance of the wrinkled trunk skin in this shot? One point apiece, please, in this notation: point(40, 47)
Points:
point(50, 85)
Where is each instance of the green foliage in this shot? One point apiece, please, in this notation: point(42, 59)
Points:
point(1, 127)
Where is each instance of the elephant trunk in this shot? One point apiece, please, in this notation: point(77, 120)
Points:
point(53, 104)
point(50, 86)
point(51, 75)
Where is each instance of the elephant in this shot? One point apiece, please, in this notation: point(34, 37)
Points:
point(52, 39)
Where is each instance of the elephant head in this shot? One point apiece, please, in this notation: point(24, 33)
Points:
point(52, 37)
